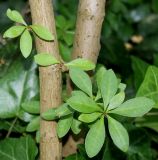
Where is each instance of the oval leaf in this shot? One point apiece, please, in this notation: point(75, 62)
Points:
point(83, 104)
point(95, 138)
point(135, 107)
point(13, 32)
point(42, 32)
point(81, 63)
point(45, 59)
point(75, 127)
point(26, 43)
point(118, 134)
point(33, 125)
point(81, 80)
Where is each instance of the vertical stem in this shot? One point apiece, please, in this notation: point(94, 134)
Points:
point(50, 80)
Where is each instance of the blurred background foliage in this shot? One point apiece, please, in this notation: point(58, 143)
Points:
point(129, 45)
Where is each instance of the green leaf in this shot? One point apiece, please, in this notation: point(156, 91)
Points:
point(76, 126)
point(88, 118)
point(23, 148)
point(68, 38)
point(83, 104)
point(13, 32)
point(81, 80)
point(118, 134)
point(81, 63)
point(33, 125)
point(122, 87)
point(26, 43)
point(45, 59)
point(55, 113)
point(64, 125)
point(60, 22)
point(42, 32)
point(15, 16)
point(31, 107)
point(135, 107)
point(95, 138)
point(109, 85)
point(116, 100)
point(149, 87)
point(77, 93)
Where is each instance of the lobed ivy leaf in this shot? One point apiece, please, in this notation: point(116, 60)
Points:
point(14, 31)
point(81, 80)
point(15, 16)
point(26, 43)
point(33, 125)
point(45, 59)
point(95, 138)
point(135, 107)
point(76, 126)
point(118, 134)
point(83, 104)
point(81, 63)
point(42, 32)
point(32, 107)
point(64, 125)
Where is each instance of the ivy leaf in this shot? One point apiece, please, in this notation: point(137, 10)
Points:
point(33, 125)
point(76, 126)
point(118, 134)
point(64, 125)
point(95, 138)
point(109, 85)
point(88, 118)
point(116, 100)
point(82, 64)
point(32, 107)
point(15, 16)
point(13, 32)
point(135, 107)
point(83, 104)
point(81, 80)
point(26, 43)
point(42, 32)
point(22, 148)
point(45, 59)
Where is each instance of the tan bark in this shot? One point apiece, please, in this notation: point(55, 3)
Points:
point(50, 80)
point(86, 44)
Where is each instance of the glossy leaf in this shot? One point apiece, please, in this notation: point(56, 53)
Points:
point(33, 125)
point(118, 134)
point(45, 59)
point(64, 125)
point(81, 80)
point(76, 126)
point(26, 43)
point(15, 16)
point(83, 104)
point(88, 118)
point(135, 107)
point(13, 32)
point(31, 107)
point(81, 63)
point(42, 32)
point(109, 86)
point(95, 138)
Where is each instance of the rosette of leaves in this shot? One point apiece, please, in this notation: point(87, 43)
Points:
point(93, 110)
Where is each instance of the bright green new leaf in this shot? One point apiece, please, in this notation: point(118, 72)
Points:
point(109, 86)
point(45, 59)
point(81, 80)
point(116, 100)
point(83, 104)
point(31, 107)
point(13, 32)
point(42, 32)
point(135, 107)
point(95, 138)
point(33, 125)
point(15, 16)
point(118, 134)
point(76, 126)
point(88, 118)
point(81, 63)
point(26, 43)
point(64, 125)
